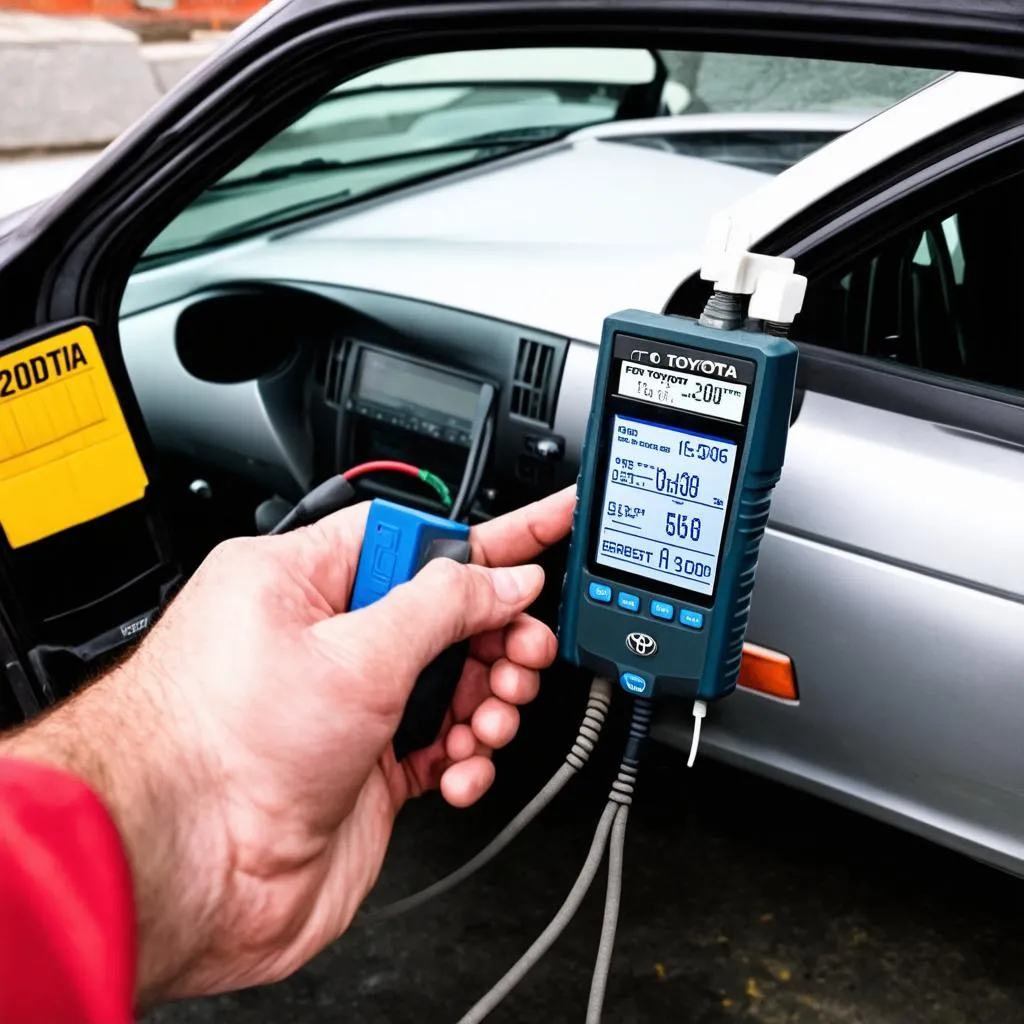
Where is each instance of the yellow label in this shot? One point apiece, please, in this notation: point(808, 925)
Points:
point(66, 455)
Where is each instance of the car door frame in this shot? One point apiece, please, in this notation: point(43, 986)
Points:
point(869, 210)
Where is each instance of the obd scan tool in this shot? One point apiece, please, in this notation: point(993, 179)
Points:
point(685, 442)
point(398, 542)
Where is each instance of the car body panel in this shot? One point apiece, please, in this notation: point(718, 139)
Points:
point(891, 575)
point(911, 696)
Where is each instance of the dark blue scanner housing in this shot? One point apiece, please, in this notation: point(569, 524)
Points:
point(684, 445)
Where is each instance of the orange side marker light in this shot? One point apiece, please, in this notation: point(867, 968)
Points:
point(767, 671)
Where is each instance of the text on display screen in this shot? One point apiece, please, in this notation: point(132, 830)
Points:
point(687, 391)
point(665, 501)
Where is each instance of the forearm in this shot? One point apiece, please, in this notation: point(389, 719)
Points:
point(115, 737)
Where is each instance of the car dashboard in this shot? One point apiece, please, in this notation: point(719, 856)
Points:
point(285, 384)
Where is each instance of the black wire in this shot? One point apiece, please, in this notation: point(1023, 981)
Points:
point(481, 465)
point(476, 459)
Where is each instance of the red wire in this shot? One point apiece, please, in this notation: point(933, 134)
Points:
point(382, 465)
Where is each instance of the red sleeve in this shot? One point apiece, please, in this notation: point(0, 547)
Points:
point(67, 921)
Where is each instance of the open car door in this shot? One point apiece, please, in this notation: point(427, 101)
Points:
point(86, 557)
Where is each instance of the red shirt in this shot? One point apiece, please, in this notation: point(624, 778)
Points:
point(67, 920)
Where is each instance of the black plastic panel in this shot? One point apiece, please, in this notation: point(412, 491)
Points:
point(465, 343)
point(242, 335)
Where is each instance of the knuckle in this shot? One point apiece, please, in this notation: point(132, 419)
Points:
point(238, 557)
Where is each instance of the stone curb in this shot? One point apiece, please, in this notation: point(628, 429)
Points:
point(77, 83)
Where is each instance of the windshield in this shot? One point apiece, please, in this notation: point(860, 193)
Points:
point(417, 119)
point(409, 121)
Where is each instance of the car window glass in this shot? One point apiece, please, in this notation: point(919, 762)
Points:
point(938, 296)
point(424, 117)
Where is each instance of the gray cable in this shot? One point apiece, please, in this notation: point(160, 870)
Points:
point(598, 702)
point(479, 449)
point(613, 896)
point(557, 925)
point(463, 504)
point(619, 799)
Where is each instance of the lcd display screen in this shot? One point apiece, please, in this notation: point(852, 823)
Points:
point(689, 392)
point(402, 384)
point(666, 497)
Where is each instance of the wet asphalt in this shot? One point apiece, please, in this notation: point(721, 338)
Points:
point(742, 900)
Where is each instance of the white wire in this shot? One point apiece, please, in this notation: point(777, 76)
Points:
point(700, 709)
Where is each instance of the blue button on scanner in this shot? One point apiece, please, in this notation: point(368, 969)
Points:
point(663, 610)
point(600, 592)
point(634, 684)
point(695, 620)
point(629, 602)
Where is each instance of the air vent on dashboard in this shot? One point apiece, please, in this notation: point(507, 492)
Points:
point(332, 371)
point(531, 387)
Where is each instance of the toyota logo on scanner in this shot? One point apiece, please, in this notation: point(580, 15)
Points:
point(643, 645)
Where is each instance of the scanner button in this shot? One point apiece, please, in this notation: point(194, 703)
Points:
point(663, 610)
point(695, 620)
point(634, 684)
point(629, 602)
point(600, 592)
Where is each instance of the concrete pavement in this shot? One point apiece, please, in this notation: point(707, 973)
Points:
point(742, 901)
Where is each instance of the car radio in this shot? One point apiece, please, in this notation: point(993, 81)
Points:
point(395, 407)
point(414, 396)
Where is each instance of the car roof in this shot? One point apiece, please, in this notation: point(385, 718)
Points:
point(944, 103)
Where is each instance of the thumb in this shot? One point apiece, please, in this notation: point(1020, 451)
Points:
point(444, 603)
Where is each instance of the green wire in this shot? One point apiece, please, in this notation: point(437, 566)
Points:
point(439, 485)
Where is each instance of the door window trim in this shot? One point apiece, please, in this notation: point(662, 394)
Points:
point(855, 221)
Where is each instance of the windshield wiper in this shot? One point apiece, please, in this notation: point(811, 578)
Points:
point(317, 165)
point(528, 133)
point(491, 141)
point(498, 144)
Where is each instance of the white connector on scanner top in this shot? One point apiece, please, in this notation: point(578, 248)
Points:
point(776, 291)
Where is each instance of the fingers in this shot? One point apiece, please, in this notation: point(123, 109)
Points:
point(523, 534)
point(461, 744)
point(510, 683)
point(465, 782)
point(529, 642)
point(326, 553)
point(514, 683)
point(525, 640)
point(495, 723)
point(441, 605)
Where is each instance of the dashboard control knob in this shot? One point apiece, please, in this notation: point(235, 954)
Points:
point(549, 448)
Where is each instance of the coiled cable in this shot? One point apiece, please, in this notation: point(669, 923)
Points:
point(598, 702)
point(613, 819)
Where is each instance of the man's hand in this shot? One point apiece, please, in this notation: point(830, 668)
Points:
point(245, 749)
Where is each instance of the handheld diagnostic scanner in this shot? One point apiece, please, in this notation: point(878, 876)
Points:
point(685, 442)
point(397, 543)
